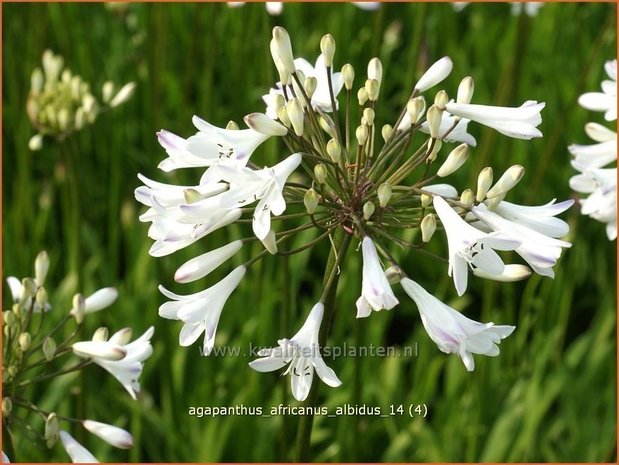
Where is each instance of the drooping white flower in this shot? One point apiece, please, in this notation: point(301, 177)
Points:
point(266, 186)
point(320, 98)
point(376, 292)
point(113, 435)
point(606, 100)
point(434, 74)
point(540, 251)
point(541, 218)
point(202, 265)
point(452, 332)
point(127, 371)
point(99, 350)
point(99, 300)
point(77, 452)
point(200, 312)
point(594, 155)
point(302, 355)
point(470, 247)
point(520, 122)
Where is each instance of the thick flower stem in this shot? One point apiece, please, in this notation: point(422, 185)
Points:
point(341, 242)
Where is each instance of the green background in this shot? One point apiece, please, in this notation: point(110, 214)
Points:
point(549, 396)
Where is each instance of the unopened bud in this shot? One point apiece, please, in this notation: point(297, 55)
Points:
point(435, 74)
point(441, 99)
point(41, 297)
point(348, 75)
point(282, 115)
point(334, 150)
point(232, 126)
point(369, 115)
point(386, 132)
point(269, 242)
point(327, 125)
point(36, 82)
point(79, 118)
point(310, 200)
point(63, 119)
point(394, 274)
point(465, 90)
point(434, 118)
point(384, 194)
point(101, 334)
point(510, 178)
point(122, 336)
point(283, 48)
point(310, 85)
point(434, 149)
point(362, 96)
point(7, 406)
point(123, 94)
point(79, 308)
point(372, 88)
point(24, 341)
point(426, 200)
point(368, 210)
point(320, 171)
point(36, 142)
point(415, 109)
point(107, 91)
point(375, 72)
point(361, 134)
point(467, 198)
point(49, 348)
point(454, 161)
point(428, 226)
point(52, 430)
point(494, 202)
point(295, 113)
point(41, 267)
point(484, 181)
point(327, 47)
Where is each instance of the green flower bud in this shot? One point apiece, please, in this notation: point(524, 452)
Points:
point(428, 226)
point(232, 126)
point(320, 171)
point(310, 200)
point(36, 142)
point(386, 132)
point(49, 348)
point(52, 430)
point(426, 200)
point(348, 75)
point(327, 47)
point(334, 150)
point(310, 85)
point(107, 91)
point(24, 341)
point(362, 96)
point(79, 308)
point(7, 406)
point(384, 194)
point(368, 210)
point(361, 134)
point(41, 297)
point(467, 198)
point(41, 267)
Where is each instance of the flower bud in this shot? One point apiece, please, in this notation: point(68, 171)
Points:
point(372, 88)
point(415, 108)
point(334, 150)
point(24, 341)
point(394, 274)
point(361, 134)
point(101, 334)
point(310, 200)
point(36, 82)
point(232, 126)
point(7, 406)
point(63, 119)
point(310, 85)
point(510, 178)
point(467, 198)
point(362, 96)
point(327, 48)
point(435, 74)
point(282, 48)
point(465, 90)
point(368, 210)
point(122, 336)
point(320, 171)
point(36, 142)
point(375, 72)
point(49, 348)
point(327, 125)
point(107, 91)
point(384, 194)
point(600, 133)
point(79, 308)
point(295, 113)
point(426, 200)
point(269, 242)
point(434, 118)
point(113, 435)
point(435, 148)
point(52, 429)
point(494, 202)
point(441, 99)
point(484, 181)
point(282, 115)
point(348, 75)
point(41, 297)
point(29, 288)
point(41, 267)
point(428, 226)
point(79, 118)
point(386, 132)
point(510, 273)
point(369, 115)
point(261, 123)
point(123, 94)
point(454, 161)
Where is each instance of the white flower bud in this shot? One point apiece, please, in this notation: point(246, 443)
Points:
point(232, 126)
point(36, 82)
point(327, 47)
point(284, 74)
point(362, 96)
point(441, 99)
point(369, 115)
point(384, 194)
point(510, 178)
point(41, 267)
point(107, 91)
point(454, 161)
point(415, 109)
point(368, 210)
point(283, 48)
point(101, 334)
point(24, 340)
point(100, 299)
point(310, 85)
point(7, 407)
point(327, 125)
point(320, 171)
point(361, 134)
point(348, 75)
point(310, 200)
point(434, 119)
point(600, 133)
point(49, 348)
point(394, 274)
point(65, 77)
point(435, 74)
point(113, 435)
point(200, 266)
point(334, 150)
point(428, 226)
point(261, 123)
point(436, 147)
point(484, 181)
point(372, 88)
point(467, 198)
point(79, 118)
point(465, 90)
point(375, 72)
point(41, 297)
point(295, 113)
point(79, 308)
point(36, 142)
point(52, 429)
point(386, 132)
point(426, 200)
point(282, 115)
point(122, 336)
point(510, 273)
point(494, 202)
point(123, 94)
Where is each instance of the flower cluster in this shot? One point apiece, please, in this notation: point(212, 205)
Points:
point(354, 183)
point(32, 355)
point(591, 161)
point(61, 102)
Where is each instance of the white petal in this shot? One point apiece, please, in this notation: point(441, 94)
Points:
point(113, 435)
point(77, 452)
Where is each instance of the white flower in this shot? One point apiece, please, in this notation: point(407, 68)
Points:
point(202, 265)
point(376, 293)
point(435, 74)
point(470, 247)
point(540, 251)
point(128, 370)
point(113, 435)
point(452, 332)
point(99, 300)
point(5, 459)
point(540, 218)
point(99, 350)
point(595, 155)
point(601, 205)
point(302, 355)
point(200, 311)
point(16, 288)
point(77, 452)
point(266, 185)
point(520, 122)
point(367, 6)
point(457, 134)
point(321, 97)
point(606, 100)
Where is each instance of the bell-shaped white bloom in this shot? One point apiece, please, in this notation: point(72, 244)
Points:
point(302, 355)
point(601, 204)
point(606, 100)
point(520, 122)
point(457, 134)
point(99, 350)
point(266, 186)
point(320, 98)
point(200, 311)
point(127, 371)
point(435, 74)
point(77, 452)
point(595, 155)
point(16, 287)
point(202, 265)
point(540, 251)
point(540, 218)
point(113, 435)
point(470, 247)
point(452, 332)
point(376, 292)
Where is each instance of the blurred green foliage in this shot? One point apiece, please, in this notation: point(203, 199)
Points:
point(549, 396)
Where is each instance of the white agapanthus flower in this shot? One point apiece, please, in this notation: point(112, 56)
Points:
point(452, 332)
point(601, 204)
point(376, 292)
point(77, 452)
point(113, 435)
point(540, 218)
point(459, 133)
point(17, 289)
point(605, 101)
point(517, 8)
point(302, 355)
point(470, 247)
